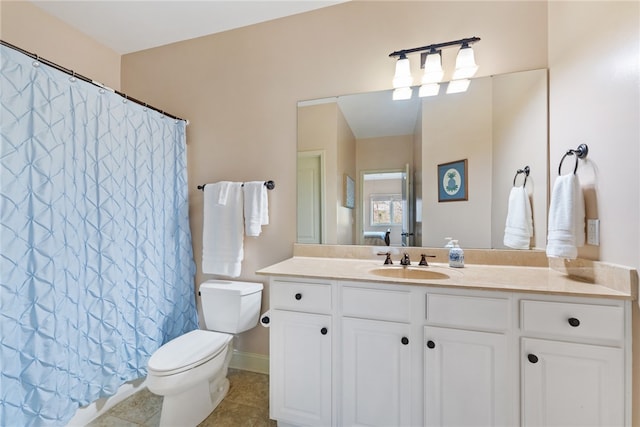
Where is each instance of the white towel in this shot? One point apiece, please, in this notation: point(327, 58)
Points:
point(519, 225)
point(256, 207)
point(566, 218)
point(222, 237)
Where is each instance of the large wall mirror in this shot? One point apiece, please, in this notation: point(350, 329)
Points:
point(371, 170)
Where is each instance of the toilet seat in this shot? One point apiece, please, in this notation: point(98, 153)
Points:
point(187, 351)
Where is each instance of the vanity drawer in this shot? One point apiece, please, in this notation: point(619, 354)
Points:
point(468, 312)
point(573, 319)
point(379, 304)
point(300, 296)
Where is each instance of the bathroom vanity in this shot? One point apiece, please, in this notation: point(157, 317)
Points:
point(487, 345)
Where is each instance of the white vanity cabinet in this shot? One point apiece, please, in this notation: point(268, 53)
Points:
point(301, 333)
point(358, 353)
point(466, 361)
point(376, 357)
point(573, 364)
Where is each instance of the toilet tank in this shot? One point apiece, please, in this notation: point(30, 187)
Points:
point(230, 306)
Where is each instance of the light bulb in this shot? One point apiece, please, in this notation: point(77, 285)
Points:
point(465, 63)
point(402, 77)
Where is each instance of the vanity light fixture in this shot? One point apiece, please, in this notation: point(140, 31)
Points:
point(402, 80)
point(431, 61)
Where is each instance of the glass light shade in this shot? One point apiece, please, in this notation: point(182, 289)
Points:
point(402, 77)
point(431, 89)
point(457, 86)
point(432, 68)
point(402, 93)
point(465, 64)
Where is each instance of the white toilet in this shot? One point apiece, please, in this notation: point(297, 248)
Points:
point(191, 371)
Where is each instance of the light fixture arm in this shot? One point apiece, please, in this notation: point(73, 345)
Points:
point(435, 46)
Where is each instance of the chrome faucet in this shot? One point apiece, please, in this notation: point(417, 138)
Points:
point(405, 261)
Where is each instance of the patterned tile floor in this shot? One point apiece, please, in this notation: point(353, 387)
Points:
point(246, 404)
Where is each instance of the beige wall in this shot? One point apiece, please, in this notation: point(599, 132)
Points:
point(345, 221)
point(517, 142)
point(456, 128)
point(594, 76)
point(28, 27)
point(239, 89)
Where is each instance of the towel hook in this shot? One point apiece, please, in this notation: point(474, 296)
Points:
point(525, 171)
point(580, 153)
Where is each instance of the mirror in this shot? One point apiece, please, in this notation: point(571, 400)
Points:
point(394, 154)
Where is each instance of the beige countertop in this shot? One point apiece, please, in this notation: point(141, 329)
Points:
point(610, 281)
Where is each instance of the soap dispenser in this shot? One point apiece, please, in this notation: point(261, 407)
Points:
point(456, 255)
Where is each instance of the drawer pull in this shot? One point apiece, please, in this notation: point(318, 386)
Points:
point(324, 331)
point(431, 344)
point(574, 322)
point(404, 340)
point(532, 358)
point(298, 296)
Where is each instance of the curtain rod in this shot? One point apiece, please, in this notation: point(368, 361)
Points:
point(88, 80)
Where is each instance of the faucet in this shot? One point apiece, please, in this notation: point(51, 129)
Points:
point(405, 261)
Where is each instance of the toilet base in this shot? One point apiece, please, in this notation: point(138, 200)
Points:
point(194, 405)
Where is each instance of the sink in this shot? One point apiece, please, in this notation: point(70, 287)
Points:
point(409, 273)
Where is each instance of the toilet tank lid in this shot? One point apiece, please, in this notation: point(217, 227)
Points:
point(242, 288)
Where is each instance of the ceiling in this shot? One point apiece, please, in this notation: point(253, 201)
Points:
point(375, 114)
point(131, 25)
point(128, 26)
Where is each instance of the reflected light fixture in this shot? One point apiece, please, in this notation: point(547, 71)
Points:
point(402, 80)
point(431, 60)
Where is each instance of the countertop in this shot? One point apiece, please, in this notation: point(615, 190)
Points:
point(619, 282)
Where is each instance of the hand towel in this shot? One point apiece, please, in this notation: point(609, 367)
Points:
point(256, 207)
point(222, 229)
point(566, 218)
point(519, 225)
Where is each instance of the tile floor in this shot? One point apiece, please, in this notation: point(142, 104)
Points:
point(246, 404)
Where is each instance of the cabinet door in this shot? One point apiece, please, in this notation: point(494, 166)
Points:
point(376, 377)
point(571, 384)
point(300, 368)
point(466, 378)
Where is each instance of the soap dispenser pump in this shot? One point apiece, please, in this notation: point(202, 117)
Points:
point(456, 255)
point(449, 242)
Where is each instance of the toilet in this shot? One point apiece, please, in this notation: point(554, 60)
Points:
point(190, 371)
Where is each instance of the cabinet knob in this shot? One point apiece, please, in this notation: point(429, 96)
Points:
point(404, 340)
point(266, 320)
point(532, 358)
point(298, 296)
point(324, 331)
point(574, 322)
point(431, 344)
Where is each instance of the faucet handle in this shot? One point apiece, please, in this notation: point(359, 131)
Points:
point(405, 259)
point(423, 259)
point(387, 260)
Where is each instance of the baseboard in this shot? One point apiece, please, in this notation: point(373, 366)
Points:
point(250, 362)
point(86, 414)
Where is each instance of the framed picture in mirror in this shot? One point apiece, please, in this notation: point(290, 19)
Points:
point(349, 192)
point(452, 181)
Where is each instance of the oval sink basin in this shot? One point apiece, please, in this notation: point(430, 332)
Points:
point(409, 273)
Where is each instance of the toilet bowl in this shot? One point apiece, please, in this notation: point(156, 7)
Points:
point(190, 371)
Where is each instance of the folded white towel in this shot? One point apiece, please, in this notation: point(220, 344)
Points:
point(566, 218)
point(519, 225)
point(256, 207)
point(222, 229)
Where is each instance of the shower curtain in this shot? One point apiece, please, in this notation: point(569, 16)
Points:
point(96, 264)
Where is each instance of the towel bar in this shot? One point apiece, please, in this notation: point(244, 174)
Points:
point(269, 184)
point(580, 153)
point(525, 171)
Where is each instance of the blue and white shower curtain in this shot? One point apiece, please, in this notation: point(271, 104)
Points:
point(96, 264)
